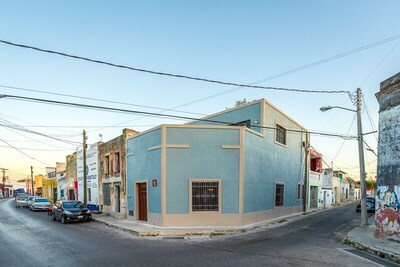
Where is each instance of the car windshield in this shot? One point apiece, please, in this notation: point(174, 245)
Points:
point(41, 200)
point(71, 205)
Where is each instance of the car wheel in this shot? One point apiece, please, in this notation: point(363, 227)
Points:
point(54, 217)
point(62, 219)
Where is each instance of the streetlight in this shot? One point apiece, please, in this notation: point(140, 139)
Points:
point(364, 219)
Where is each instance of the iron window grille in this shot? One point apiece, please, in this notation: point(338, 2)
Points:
point(279, 194)
point(280, 134)
point(205, 196)
point(106, 195)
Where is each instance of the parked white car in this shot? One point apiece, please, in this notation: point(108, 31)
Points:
point(21, 202)
point(40, 203)
point(30, 199)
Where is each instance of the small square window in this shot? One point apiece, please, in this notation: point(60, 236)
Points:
point(280, 134)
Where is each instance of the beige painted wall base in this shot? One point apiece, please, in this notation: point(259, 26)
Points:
point(209, 219)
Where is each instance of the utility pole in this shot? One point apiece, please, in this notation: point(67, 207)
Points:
point(364, 219)
point(4, 180)
point(84, 170)
point(33, 188)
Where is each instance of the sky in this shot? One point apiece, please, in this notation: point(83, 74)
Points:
point(233, 41)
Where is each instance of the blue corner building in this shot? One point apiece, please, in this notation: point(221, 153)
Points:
point(240, 166)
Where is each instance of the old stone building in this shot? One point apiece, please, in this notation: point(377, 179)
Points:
point(387, 218)
point(71, 185)
point(112, 175)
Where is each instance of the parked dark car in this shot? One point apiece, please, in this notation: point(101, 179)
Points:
point(71, 210)
point(370, 205)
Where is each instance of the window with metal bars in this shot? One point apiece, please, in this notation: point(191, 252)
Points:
point(106, 195)
point(205, 196)
point(279, 194)
point(299, 191)
point(280, 135)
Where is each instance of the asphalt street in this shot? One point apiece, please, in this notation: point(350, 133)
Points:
point(34, 239)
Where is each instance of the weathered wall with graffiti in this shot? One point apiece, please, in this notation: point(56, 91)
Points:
point(387, 218)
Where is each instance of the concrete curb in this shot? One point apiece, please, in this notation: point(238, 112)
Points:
point(371, 250)
point(116, 227)
point(208, 232)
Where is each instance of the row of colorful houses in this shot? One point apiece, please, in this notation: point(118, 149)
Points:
point(240, 166)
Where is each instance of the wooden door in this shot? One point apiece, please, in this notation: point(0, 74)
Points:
point(141, 189)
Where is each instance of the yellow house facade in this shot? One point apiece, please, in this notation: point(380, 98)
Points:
point(39, 184)
point(49, 190)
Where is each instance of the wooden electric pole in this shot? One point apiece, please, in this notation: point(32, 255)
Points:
point(84, 170)
point(33, 187)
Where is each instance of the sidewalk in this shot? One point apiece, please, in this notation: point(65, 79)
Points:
point(362, 238)
point(148, 230)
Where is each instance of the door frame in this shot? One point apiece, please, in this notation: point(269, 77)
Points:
point(117, 192)
point(313, 193)
point(137, 183)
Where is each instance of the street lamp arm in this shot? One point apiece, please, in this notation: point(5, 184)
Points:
point(364, 218)
point(323, 109)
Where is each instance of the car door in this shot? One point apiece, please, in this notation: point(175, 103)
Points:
point(57, 210)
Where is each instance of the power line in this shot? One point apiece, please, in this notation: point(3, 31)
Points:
point(229, 91)
point(362, 48)
point(344, 140)
point(352, 97)
point(35, 149)
point(94, 99)
point(10, 127)
point(369, 148)
point(82, 126)
point(322, 158)
point(110, 109)
point(373, 126)
point(380, 63)
point(20, 151)
point(175, 75)
point(20, 128)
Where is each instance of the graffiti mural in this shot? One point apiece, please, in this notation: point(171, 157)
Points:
point(387, 217)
